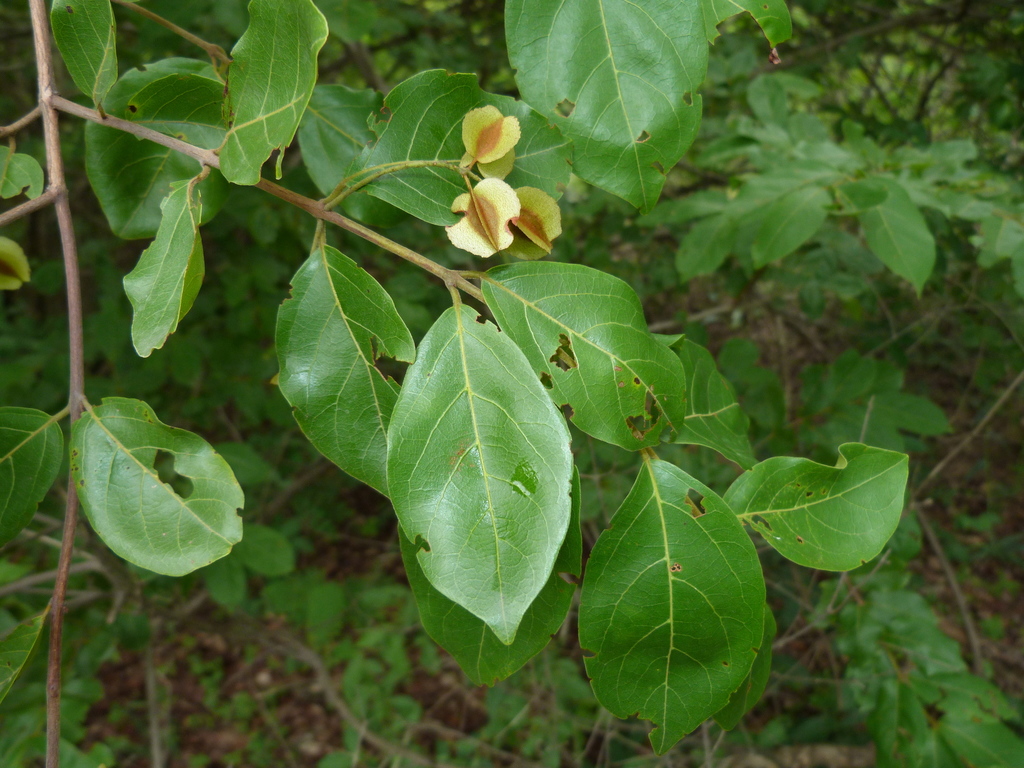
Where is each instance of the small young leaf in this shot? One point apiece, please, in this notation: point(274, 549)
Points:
point(165, 282)
point(19, 174)
point(747, 695)
point(330, 334)
point(788, 223)
point(424, 122)
point(14, 269)
point(672, 605)
point(270, 80)
point(15, 648)
point(475, 647)
point(479, 467)
point(832, 518)
point(113, 452)
point(84, 32)
point(619, 79)
point(584, 333)
point(897, 233)
point(132, 178)
point(713, 417)
point(31, 448)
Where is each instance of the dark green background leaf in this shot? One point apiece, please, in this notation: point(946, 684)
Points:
point(31, 449)
point(897, 233)
point(15, 648)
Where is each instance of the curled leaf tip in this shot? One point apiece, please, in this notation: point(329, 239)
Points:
point(488, 135)
point(14, 269)
point(538, 224)
point(489, 210)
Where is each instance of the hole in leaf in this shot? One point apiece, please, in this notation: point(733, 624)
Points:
point(695, 501)
point(809, 493)
point(588, 654)
point(658, 167)
point(767, 526)
point(564, 357)
point(688, 99)
point(164, 466)
point(565, 107)
point(546, 381)
point(481, 319)
point(644, 136)
point(567, 411)
point(421, 543)
point(675, 568)
point(132, 108)
point(636, 380)
point(643, 423)
point(568, 578)
point(69, 9)
point(799, 539)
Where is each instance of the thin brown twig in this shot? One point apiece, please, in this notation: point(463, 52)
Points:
point(76, 394)
point(21, 122)
point(31, 206)
point(213, 50)
point(311, 206)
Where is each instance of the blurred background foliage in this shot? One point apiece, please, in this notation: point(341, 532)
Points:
point(238, 665)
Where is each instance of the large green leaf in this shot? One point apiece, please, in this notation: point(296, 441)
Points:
point(330, 334)
point(132, 178)
point(705, 246)
point(672, 606)
point(114, 448)
point(270, 80)
point(747, 695)
point(713, 417)
point(19, 174)
point(424, 122)
point(897, 233)
point(479, 652)
point(479, 468)
point(334, 131)
point(790, 222)
point(1003, 237)
point(832, 518)
point(619, 78)
point(15, 648)
point(167, 278)
point(990, 744)
point(584, 333)
point(31, 448)
point(772, 15)
point(84, 32)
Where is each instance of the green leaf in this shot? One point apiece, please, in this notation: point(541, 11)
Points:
point(270, 80)
point(897, 233)
point(167, 278)
point(1003, 237)
point(31, 451)
point(479, 467)
point(84, 32)
point(832, 518)
point(713, 417)
point(672, 606)
point(584, 333)
point(19, 174)
point(266, 551)
point(988, 744)
point(132, 178)
point(859, 196)
point(186, 105)
point(788, 223)
point(705, 246)
point(334, 131)
point(330, 334)
point(425, 123)
point(225, 580)
point(468, 639)
point(15, 648)
point(349, 20)
point(619, 78)
point(771, 15)
point(142, 519)
point(749, 693)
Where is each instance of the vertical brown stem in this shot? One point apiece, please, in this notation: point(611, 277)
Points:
point(57, 182)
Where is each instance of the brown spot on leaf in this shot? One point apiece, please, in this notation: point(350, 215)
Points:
point(675, 568)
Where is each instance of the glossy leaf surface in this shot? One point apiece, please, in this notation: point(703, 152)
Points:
point(832, 518)
point(130, 177)
point(334, 131)
point(475, 647)
point(167, 278)
point(114, 448)
point(425, 123)
point(713, 417)
point(584, 333)
point(330, 334)
point(747, 695)
point(31, 451)
point(619, 79)
point(84, 33)
point(271, 78)
point(479, 468)
point(187, 105)
point(790, 222)
point(19, 174)
point(898, 234)
point(15, 648)
point(672, 605)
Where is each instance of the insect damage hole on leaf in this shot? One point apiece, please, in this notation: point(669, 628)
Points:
point(694, 500)
point(644, 136)
point(564, 356)
point(565, 107)
point(642, 423)
point(163, 463)
point(546, 380)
